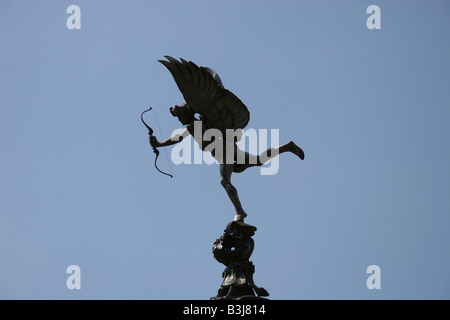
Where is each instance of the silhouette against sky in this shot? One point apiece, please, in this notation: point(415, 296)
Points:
point(370, 108)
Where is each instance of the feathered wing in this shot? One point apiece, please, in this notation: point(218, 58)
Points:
point(221, 108)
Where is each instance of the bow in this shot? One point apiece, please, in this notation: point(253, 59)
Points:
point(155, 150)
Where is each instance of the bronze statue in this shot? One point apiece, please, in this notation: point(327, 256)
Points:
point(219, 109)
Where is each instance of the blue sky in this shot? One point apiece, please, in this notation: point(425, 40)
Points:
point(370, 108)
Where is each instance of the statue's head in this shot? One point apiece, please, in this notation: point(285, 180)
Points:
point(184, 113)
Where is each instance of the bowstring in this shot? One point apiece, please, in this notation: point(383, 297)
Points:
point(161, 135)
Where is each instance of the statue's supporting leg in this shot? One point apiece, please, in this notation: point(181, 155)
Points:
point(225, 179)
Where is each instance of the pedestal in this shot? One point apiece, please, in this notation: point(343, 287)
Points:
point(234, 249)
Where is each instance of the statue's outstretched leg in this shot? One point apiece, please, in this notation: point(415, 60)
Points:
point(252, 160)
point(225, 179)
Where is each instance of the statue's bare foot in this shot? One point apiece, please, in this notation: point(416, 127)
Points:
point(296, 150)
point(240, 216)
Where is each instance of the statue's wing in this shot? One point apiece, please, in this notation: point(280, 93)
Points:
point(206, 95)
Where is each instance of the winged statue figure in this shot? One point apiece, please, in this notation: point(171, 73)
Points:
point(210, 106)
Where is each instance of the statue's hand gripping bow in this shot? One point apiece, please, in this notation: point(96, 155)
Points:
point(155, 150)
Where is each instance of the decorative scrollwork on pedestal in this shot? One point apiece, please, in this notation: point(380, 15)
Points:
point(234, 249)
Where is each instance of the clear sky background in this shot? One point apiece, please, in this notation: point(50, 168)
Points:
point(370, 108)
